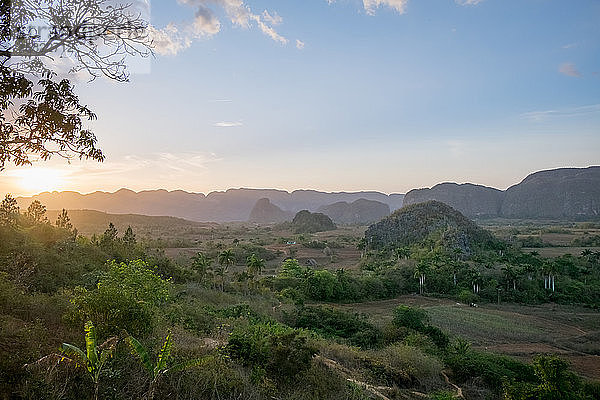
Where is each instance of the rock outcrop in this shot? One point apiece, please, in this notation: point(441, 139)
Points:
point(307, 222)
point(417, 222)
point(572, 193)
point(265, 212)
point(361, 211)
point(469, 199)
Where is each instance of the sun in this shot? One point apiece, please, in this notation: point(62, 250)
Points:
point(36, 180)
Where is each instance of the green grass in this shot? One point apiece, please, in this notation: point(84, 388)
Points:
point(484, 326)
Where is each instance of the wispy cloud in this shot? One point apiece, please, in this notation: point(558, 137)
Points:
point(400, 6)
point(540, 116)
point(569, 46)
point(397, 5)
point(300, 44)
point(228, 124)
point(175, 38)
point(569, 69)
point(468, 2)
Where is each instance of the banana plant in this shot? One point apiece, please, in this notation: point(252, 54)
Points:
point(161, 366)
point(94, 358)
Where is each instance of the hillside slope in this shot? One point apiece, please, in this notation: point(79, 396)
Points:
point(414, 223)
point(564, 193)
point(361, 211)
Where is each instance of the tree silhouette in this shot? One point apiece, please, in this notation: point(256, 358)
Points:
point(63, 221)
point(40, 115)
point(36, 212)
point(9, 211)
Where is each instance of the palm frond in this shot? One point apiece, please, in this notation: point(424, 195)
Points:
point(137, 349)
point(74, 354)
point(91, 343)
point(163, 355)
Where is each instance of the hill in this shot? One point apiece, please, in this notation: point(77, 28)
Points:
point(227, 206)
point(560, 193)
point(359, 212)
point(89, 222)
point(565, 193)
point(264, 212)
point(307, 222)
point(469, 199)
point(414, 223)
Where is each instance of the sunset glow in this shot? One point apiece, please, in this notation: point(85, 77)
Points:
point(38, 179)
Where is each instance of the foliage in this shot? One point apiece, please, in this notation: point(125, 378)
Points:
point(307, 222)
point(281, 351)
point(125, 297)
point(331, 323)
point(554, 382)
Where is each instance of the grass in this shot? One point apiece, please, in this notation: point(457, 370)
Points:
point(485, 327)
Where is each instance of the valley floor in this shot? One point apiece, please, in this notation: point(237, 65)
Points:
point(510, 329)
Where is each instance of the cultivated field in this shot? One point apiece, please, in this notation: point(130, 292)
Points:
point(515, 330)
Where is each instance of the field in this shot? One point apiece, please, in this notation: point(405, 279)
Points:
point(518, 331)
point(515, 330)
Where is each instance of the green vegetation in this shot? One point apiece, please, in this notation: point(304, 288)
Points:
point(226, 329)
point(307, 222)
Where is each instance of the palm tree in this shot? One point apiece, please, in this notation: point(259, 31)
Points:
point(362, 246)
point(402, 252)
point(201, 264)
point(550, 270)
point(510, 275)
point(160, 367)
point(255, 264)
point(420, 272)
point(226, 259)
point(475, 276)
point(90, 360)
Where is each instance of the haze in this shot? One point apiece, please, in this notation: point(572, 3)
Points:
point(345, 95)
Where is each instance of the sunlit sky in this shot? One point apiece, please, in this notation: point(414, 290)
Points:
point(384, 95)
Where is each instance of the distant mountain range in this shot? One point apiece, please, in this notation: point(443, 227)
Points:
point(554, 194)
point(231, 205)
point(565, 193)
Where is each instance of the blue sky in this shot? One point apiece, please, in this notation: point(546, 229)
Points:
point(346, 95)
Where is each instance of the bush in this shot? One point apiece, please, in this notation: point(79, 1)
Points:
point(281, 351)
point(410, 317)
point(125, 298)
point(492, 368)
point(331, 323)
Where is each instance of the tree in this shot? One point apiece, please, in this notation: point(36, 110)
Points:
point(511, 276)
point(161, 366)
point(95, 357)
point(9, 211)
point(39, 114)
point(63, 221)
point(475, 277)
point(255, 264)
point(420, 272)
point(109, 237)
point(48, 122)
point(550, 269)
point(201, 264)
point(36, 212)
point(226, 259)
point(96, 36)
point(129, 237)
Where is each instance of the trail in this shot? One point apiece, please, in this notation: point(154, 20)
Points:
point(377, 390)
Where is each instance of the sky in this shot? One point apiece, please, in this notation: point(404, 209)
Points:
point(344, 95)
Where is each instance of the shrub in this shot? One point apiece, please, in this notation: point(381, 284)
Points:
point(281, 351)
point(332, 323)
point(124, 298)
point(409, 317)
